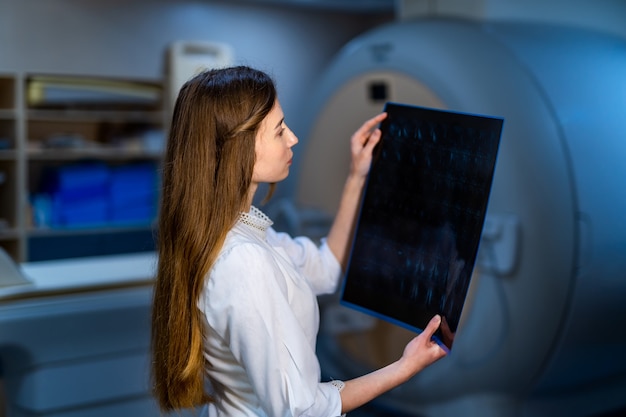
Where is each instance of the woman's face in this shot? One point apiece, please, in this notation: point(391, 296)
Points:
point(273, 148)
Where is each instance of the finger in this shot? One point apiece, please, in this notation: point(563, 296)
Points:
point(373, 139)
point(432, 326)
point(371, 123)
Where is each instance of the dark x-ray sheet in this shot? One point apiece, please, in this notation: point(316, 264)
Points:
point(421, 217)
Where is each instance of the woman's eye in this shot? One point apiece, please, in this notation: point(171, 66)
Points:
point(280, 133)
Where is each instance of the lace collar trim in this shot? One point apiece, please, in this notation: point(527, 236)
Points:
point(256, 219)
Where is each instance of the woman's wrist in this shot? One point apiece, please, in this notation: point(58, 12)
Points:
point(404, 370)
point(355, 181)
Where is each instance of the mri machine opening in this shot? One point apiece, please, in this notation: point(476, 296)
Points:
point(543, 330)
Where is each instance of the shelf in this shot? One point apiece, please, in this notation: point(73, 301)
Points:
point(8, 155)
point(49, 232)
point(7, 114)
point(100, 154)
point(9, 234)
point(98, 243)
point(82, 115)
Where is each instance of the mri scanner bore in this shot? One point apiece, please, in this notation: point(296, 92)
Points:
point(543, 329)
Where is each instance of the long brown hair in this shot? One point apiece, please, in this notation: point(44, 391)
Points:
point(207, 173)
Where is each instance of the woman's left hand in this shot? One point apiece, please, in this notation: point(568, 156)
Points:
point(362, 144)
point(423, 351)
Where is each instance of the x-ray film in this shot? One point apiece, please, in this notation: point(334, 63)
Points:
point(421, 217)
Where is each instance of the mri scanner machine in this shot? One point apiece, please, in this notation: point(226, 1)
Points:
point(543, 329)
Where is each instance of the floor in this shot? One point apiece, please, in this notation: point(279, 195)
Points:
point(374, 411)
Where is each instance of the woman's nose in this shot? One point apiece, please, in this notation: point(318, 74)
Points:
point(293, 137)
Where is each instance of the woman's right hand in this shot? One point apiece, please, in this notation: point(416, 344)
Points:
point(362, 144)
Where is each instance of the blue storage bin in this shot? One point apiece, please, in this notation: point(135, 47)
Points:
point(77, 182)
point(96, 195)
point(91, 212)
point(133, 185)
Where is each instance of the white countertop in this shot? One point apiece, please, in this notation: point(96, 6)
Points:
point(79, 274)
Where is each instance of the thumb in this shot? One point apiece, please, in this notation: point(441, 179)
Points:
point(432, 326)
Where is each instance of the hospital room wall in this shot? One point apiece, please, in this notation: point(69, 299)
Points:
point(122, 38)
point(602, 15)
point(294, 43)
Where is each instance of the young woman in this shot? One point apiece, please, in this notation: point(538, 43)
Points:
point(235, 311)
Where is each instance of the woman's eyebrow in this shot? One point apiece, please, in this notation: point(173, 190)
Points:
point(279, 123)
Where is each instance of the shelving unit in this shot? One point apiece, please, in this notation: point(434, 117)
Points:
point(11, 234)
point(50, 124)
